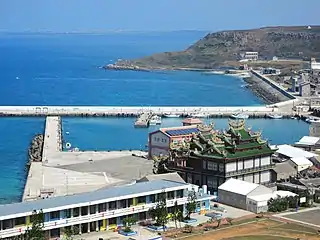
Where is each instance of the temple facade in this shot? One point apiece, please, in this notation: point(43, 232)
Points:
point(211, 157)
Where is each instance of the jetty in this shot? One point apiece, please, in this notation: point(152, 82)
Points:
point(135, 111)
point(143, 120)
point(63, 173)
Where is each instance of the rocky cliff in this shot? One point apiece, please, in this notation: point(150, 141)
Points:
point(215, 49)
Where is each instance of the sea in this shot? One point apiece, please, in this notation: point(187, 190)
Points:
point(65, 69)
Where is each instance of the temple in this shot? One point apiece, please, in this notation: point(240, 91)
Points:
point(210, 157)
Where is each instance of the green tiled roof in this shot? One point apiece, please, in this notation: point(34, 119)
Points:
point(237, 142)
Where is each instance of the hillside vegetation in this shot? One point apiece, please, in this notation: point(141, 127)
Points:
point(217, 49)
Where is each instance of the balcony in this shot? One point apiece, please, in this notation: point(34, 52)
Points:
point(91, 217)
point(249, 170)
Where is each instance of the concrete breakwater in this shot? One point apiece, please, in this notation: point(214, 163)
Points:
point(35, 149)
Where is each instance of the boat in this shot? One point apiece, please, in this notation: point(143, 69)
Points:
point(172, 115)
point(313, 120)
point(155, 120)
point(275, 116)
point(199, 115)
point(239, 116)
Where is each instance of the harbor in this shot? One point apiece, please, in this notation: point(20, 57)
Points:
point(68, 172)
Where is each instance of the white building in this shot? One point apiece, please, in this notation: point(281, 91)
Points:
point(314, 65)
point(248, 196)
point(161, 141)
point(253, 56)
point(297, 157)
point(308, 143)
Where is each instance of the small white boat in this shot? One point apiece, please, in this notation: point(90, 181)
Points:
point(172, 115)
point(239, 116)
point(275, 116)
point(313, 120)
point(200, 115)
point(155, 120)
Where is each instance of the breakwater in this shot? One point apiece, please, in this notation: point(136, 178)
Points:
point(35, 150)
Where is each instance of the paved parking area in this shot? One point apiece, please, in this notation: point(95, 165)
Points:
point(232, 212)
point(311, 216)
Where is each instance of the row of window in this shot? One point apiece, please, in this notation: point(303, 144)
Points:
point(213, 166)
point(156, 139)
point(83, 211)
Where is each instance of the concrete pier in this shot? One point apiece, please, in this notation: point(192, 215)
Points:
point(64, 173)
point(135, 111)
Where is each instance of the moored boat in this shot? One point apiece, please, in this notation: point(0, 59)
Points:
point(155, 120)
point(275, 116)
point(200, 115)
point(312, 120)
point(239, 116)
point(172, 115)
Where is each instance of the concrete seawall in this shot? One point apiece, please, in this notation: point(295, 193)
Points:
point(273, 84)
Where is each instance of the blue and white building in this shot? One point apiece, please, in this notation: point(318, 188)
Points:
point(100, 210)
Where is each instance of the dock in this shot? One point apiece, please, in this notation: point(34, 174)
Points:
point(143, 120)
point(65, 173)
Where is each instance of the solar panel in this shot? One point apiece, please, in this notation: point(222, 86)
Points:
point(187, 131)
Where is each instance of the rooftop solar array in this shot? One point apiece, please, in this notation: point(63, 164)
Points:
point(186, 131)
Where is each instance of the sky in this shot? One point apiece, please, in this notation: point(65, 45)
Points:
point(153, 15)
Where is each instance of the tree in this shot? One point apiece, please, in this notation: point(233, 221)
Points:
point(176, 215)
point(68, 233)
point(191, 205)
point(128, 222)
point(160, 212)
point(159, 164)
point(278, 204)
point(36, 231)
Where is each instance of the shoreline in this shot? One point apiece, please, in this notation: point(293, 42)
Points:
point(262, 90)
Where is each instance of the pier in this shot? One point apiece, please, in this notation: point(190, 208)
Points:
point(134, 111)
point(63, 173)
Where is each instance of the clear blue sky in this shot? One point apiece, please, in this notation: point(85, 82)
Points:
point(144, 15)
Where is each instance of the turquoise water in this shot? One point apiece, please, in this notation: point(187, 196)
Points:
point(63, 69)
point(119, 133)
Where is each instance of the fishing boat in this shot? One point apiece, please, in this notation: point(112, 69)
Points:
point(200, 115)
point(239, 116)
point(313, 120)
point(172, 115)
point(275, 116)
point(155, 120)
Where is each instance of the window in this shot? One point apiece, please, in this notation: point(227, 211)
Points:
point(204, 164)
point(112, 205)
point(67, 213)
point(92, 209)
point(20, 221)
point(179, 194)
point(221, 167)
point(141, 200)
point(55, 215)
point(152, 198)
point(102, 207)
point(212, 182)
point(130, 202)
point(203, 204)
point(212, 166)
point(84, 211)
point(76, 212)
point(170, 195)
point(123, 203)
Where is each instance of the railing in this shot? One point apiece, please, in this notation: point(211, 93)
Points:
point(90, 218)
point(249, 170)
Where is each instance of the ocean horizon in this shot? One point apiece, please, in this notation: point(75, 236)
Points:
point(63, 69)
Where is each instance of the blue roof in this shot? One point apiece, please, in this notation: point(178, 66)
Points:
point(120, 191)
point(185, 131)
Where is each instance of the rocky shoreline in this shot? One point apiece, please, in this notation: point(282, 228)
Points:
point(35, 150)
